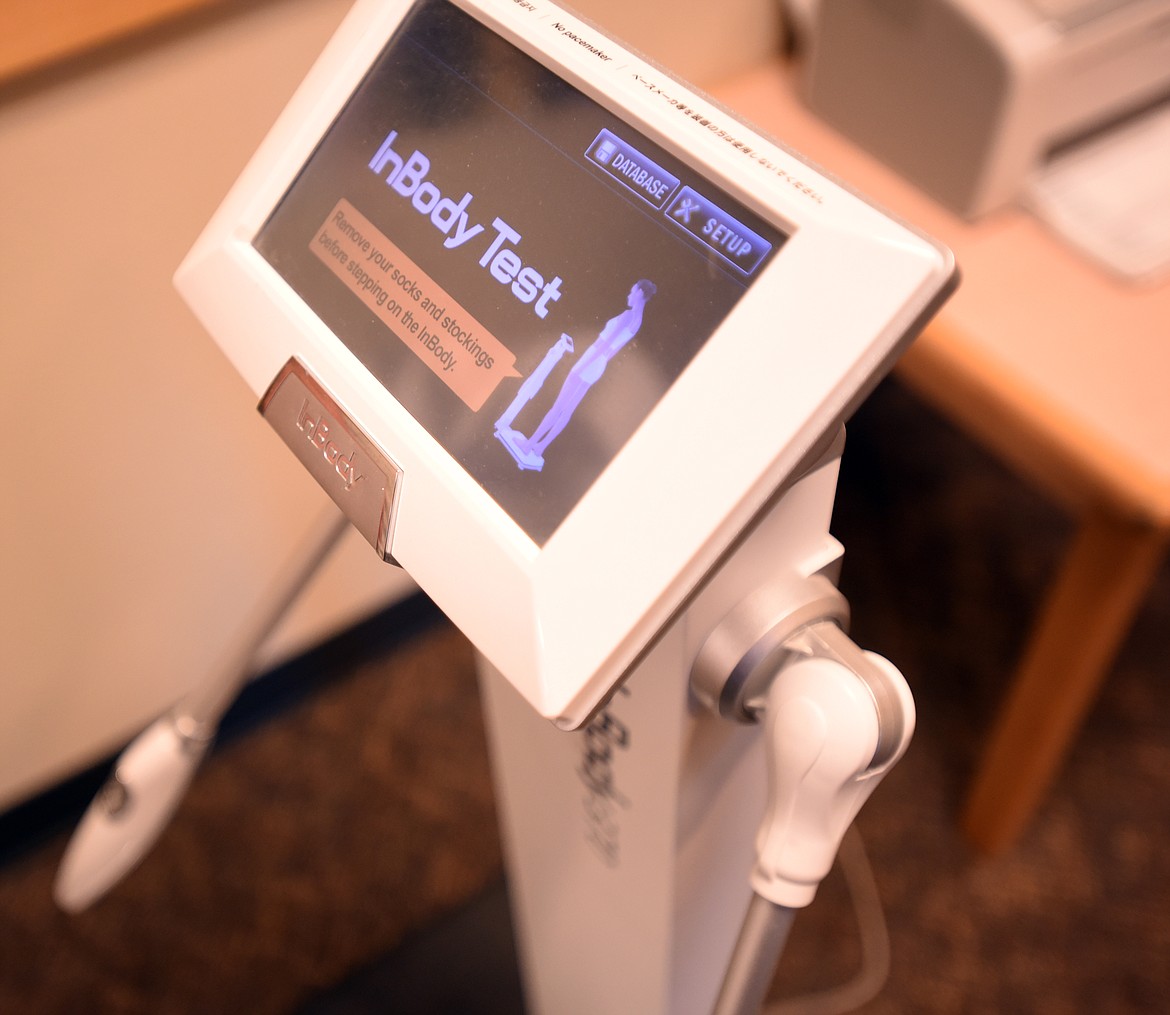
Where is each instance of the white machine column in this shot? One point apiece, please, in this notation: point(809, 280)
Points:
point(630, 843)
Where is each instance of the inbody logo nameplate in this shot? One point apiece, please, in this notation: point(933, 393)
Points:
point(345, 462)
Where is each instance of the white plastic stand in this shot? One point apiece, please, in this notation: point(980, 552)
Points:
point(630, 844)
point(642, 878)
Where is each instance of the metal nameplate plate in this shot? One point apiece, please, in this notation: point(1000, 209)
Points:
point(359, 479)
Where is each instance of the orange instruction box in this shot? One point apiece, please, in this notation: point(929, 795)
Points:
point(467, 357)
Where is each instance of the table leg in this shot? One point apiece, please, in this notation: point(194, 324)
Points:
point(1101, 584)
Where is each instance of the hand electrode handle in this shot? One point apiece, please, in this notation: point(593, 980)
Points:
point(153, 773)
point(825, 737)
point(133, 807)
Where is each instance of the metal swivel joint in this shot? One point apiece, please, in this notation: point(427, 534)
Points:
point(836, 719)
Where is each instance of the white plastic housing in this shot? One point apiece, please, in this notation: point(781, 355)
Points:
point(822, 730)
point(124, 822)
point(814, 332)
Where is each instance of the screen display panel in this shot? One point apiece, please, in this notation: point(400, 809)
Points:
point(522, 270)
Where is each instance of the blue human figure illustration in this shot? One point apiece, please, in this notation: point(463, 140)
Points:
point(535, 381)
point(587, 371)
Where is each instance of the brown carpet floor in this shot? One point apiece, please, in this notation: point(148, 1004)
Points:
point(340, 829)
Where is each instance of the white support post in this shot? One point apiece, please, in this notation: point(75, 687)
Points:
point(630, 843)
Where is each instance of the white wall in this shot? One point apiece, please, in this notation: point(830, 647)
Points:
point(143, 501)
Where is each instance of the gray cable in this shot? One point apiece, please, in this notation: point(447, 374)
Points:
point(765, 932)
point(757, 950)
point(875, 942)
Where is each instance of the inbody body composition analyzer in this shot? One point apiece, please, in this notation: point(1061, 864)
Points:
point(549, 327)
point(574, 346)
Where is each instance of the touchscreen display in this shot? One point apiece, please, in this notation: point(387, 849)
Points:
point(524, 272)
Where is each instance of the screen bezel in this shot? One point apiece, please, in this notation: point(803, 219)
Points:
point(534, 131)
point(564, 622)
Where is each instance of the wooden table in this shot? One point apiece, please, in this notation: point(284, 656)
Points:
point(1063, 372)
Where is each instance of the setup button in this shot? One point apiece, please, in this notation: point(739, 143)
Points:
point(630, 167)
point(723, 233)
